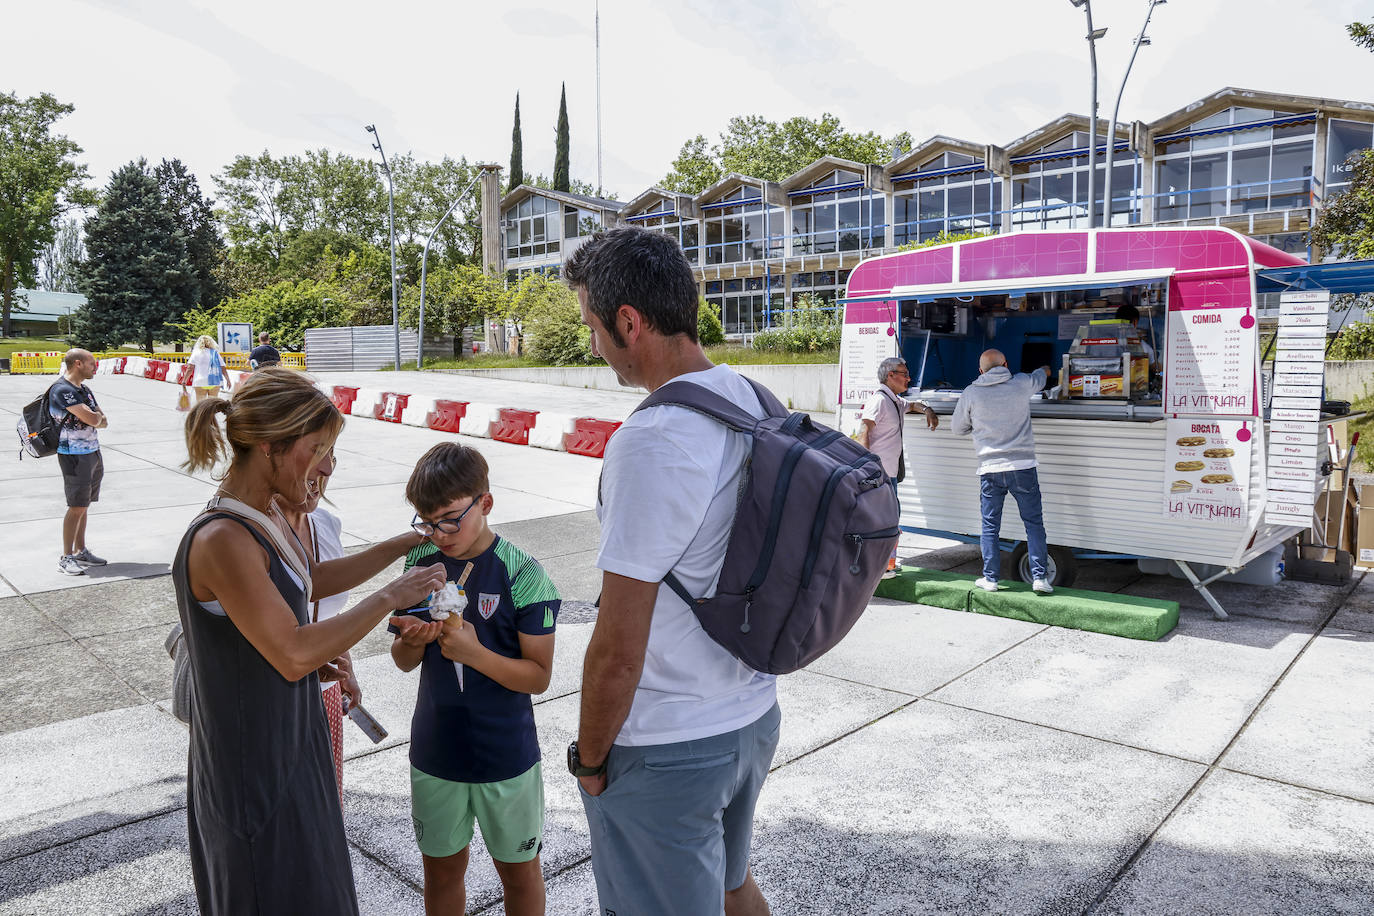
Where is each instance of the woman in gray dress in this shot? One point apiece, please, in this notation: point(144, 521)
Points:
point(263, 816)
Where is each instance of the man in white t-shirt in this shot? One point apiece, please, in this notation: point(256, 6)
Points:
point(676, 734)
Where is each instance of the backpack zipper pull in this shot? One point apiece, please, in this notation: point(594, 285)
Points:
point(748, 600)
point(854, 569)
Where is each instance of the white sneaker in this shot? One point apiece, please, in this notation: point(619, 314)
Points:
point(1042, 587)
point(71, 566)
point(987, 585)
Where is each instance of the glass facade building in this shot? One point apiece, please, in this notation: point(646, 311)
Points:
point(1260, 163)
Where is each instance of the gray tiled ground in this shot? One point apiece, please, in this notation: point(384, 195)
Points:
point(935, 762)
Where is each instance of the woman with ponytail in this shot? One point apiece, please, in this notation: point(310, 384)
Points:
point(263, 812)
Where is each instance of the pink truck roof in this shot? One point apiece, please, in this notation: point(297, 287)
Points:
point(1056, 256)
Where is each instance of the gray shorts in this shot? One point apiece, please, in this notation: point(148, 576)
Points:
point(672, 830)
point(81, 476)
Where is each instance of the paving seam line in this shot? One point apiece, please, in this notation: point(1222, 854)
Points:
point(1296, 785)
point(1135, 857)
point(367, 854)
point(142, 818)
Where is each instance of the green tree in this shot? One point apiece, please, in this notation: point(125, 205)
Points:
point(517, 168)
point(137, 279)
point(710, 332)
point(560, 155)
point(1345, 224)
point(752, 145)
point(40, 180)
point(456, 297)
point(424, 190)
point(194, 215)
point(61, 258)
point(253, 206)
point(283, 309)
point(1362, 33)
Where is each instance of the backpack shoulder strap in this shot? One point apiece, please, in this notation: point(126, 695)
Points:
point(691, 396)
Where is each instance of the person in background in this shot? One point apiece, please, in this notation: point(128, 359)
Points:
point(209, 366)
point(996, 410)
point(73, 408)
point(1130, 313)
point(264, 823)
point(264, 354)
point(880, 425)
point(319, 532)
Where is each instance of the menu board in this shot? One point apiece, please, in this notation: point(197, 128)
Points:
point(1295, 409)
point(1207, 470)
point(1210, 362)
point(863, 347)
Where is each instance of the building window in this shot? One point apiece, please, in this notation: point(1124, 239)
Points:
point(1343, 140)
point(1235, 168)
point(745, 306)
point(685, 232)
point(1051, 191)
point(849, 218)
point(741, 230)
point(532, 229)
point(965, 201)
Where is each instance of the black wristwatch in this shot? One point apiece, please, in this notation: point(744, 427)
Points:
point(575, 766)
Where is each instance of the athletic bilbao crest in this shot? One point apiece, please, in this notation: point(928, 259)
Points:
point(486, 605)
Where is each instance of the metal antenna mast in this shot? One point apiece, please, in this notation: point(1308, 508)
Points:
point(598, 98)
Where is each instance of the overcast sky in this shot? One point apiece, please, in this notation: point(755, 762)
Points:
point(204, 82)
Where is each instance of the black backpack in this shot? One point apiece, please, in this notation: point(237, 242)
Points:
point(39, 433)
point(815, 525)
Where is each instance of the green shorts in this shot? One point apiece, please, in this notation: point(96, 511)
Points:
point(511, 813)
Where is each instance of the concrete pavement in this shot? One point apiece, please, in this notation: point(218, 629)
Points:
point(936, 762)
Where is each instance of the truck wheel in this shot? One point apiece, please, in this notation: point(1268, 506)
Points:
point(1061, 568)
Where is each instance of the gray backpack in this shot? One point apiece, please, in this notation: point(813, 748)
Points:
point(815, 524)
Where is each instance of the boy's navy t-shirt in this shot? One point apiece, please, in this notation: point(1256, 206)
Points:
point(483, 732)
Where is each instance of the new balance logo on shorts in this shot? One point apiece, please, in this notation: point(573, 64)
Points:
point(528, 844)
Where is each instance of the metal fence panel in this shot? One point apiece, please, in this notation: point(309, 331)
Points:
point(356, 349)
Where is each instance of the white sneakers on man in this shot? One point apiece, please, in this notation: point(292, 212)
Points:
point(987, 585)
point(1042, 587)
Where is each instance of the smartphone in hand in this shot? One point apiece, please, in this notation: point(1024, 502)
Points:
point(364, 720)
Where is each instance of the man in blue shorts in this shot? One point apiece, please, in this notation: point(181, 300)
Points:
point(73, 408)
point(676, 734)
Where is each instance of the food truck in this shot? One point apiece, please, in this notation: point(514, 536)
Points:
point(1158, 439)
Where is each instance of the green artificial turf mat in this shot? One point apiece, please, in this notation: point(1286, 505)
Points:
point(1078, 609)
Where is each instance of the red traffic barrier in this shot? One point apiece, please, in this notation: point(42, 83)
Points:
point(119, 365)
point(514, 425)
point(391, 406)
point(186, 374)
point(150, 368)
point(589, 436)
point(448, 415)
point(161, 370)
point(343, 398)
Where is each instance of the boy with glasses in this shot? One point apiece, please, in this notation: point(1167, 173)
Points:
point(474, 754)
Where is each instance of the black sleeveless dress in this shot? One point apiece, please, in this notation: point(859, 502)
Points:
point(266, 830)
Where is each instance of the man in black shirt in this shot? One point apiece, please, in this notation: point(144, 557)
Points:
point(264, 354)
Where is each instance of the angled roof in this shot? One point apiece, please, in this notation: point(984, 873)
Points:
point(644, 201)
point(804, 176)
point(726, 185)
point(929, 149)
point(1053, 130)
point(578, 200)
point(1252, 98)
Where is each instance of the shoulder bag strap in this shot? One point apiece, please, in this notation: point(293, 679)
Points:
point(315, 548)
point(901, 411)
point(289, 555)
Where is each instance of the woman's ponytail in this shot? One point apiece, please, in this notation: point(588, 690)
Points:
point(206, 444)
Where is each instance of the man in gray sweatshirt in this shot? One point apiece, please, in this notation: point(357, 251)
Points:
point(996, 410)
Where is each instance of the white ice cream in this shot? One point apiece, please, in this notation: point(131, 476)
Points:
point(448, 600)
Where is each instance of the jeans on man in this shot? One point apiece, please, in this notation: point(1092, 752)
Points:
point(1025, 487)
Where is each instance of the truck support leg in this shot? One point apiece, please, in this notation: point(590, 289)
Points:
point(1201, 586)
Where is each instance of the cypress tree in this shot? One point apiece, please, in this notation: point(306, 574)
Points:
point(561, 181)
point(517, 169)
point(137, 277)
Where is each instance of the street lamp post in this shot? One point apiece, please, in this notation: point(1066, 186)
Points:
point(424, 261)
point(391, 228)
point(1116, 111)
point(1093, 36)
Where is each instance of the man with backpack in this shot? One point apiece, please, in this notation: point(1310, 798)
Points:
point(681, 730)
point(74, 409)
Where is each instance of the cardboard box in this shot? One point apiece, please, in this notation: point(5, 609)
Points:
point(1364, 530)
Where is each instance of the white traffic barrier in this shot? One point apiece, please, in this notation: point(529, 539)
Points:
point(477, 421)
point(549, 428)
point(417, 411)
point(365, 404)
point(135, 365)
